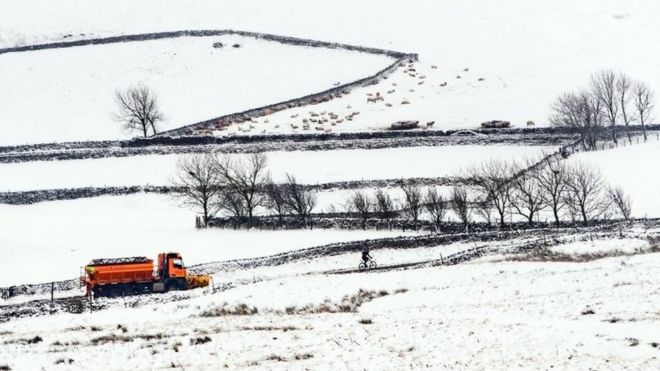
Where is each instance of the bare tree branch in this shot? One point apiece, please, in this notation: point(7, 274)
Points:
point(199, 183)
point(137, 109)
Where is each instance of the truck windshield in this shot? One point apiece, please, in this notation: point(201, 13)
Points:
point(177, 263)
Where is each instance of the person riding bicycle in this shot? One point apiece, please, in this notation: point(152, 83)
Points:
point(366, 256)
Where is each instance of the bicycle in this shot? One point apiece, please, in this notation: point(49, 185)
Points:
point(370, 264)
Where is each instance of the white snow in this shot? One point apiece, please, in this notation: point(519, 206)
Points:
point(633, 168)
point(308, 167)
point(528, 52)
point(53, 240)
point(74, 88)
point(472, 316)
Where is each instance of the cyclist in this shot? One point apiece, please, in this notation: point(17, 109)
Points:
point(365, 255)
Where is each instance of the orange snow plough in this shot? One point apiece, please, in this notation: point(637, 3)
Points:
point(136, 275)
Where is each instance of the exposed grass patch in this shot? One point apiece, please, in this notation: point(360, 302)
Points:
point(77, 328)
point(295, 357)
point(275, 357)
point(269, 328)
point(64, 360)
point(349, 304)
point(227, 310)
point(544, 254)
point(111, 339)
point(366, 321)
point(24, 341)
point(200, 340)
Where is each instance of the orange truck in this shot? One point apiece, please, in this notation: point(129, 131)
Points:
point(136, 275)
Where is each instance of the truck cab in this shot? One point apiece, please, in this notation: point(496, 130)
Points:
point(171, 272)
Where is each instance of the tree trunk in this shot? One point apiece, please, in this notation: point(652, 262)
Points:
point(556, 214)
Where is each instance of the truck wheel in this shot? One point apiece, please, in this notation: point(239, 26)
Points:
point(113, 292)
point(128, 291)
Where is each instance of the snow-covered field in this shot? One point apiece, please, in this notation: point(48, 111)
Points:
point(585, 303)
point(634, 168)
point(471, 316)
point(308, 167)
point(527, 52)
point(74, 87)
point(53, 240)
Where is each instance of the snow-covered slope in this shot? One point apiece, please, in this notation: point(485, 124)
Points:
point(528, 52)
point(308, 167)
point(53, 240)
point(484, 316)
point(635, 169)
point(73, 88)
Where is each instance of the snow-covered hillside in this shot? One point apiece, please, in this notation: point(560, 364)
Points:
point(53, 240)
point(527, 52)
point(480, 289)
point(506, 315)
point(308, 167)
point(74, 88)
point(633, 168)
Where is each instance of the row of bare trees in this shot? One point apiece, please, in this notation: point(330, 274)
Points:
point(211, 183)
point(413, 204)
point(576, 192)
point(611, 99)
point(499, 191)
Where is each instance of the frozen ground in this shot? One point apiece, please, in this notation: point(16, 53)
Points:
point(527, 52)
point(74, 87)
point(308, 167)
point(471, 316)
point(631, 168)
point(53, 240)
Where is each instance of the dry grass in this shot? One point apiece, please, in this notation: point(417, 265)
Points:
point(200, 340)
point(25, 341)
point(226, 310)
point(295, 357)
point(544, 254)
point(349, 304)
point(64, 360)
point(5, 368)
point(113, 338)
point(366, 321)
point(269, 328)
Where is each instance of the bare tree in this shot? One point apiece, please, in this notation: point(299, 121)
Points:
point(233, 203)
point(603, 86)
point(461, 205)
point(526, 197)
point(412, 205)
point(484, 208)
point(624, 86)
point(582, 112)
point(298, 199)
point(137, 109)
point(198, 185)
point(493, 181)
point(585, 196)
point(246, 178)
point(385, 207)
point(436, 206)
point(621, 201)
point(551, 179)
point(275, 200)
point(644, 101)
point(362, 204)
